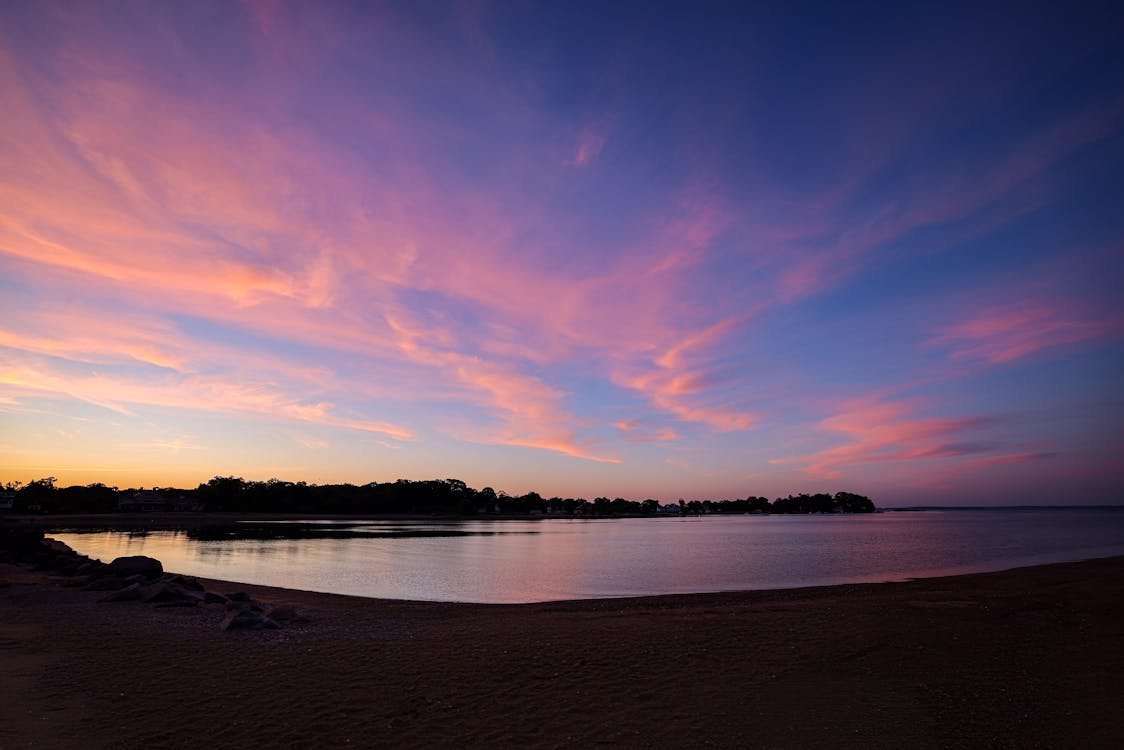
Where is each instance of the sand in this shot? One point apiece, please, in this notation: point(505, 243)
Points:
point(1026, 658)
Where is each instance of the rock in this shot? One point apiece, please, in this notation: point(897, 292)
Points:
point(106, 583)
point(56, 546)
point(177, 603)
point(241, 600)
point(157, 592)
point(68, 568)
point(136, 565)
point(245, 619)
point(210, 597)
point(282, 612)
point(186, 582)
point(170, 592)
point(131, 593)
point(53, 561)
point(20, 543)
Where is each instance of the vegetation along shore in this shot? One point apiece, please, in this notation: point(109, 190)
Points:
point(444, 496)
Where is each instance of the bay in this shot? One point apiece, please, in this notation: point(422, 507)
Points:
point(513, 561)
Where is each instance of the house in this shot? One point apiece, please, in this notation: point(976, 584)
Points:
point(144, 501)
point(184, 505)
point(7, 500)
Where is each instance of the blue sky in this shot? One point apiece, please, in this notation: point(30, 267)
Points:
point(643, 250)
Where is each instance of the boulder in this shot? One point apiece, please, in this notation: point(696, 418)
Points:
point(186, 582)
point(61, 547)
point(170, 592)
point(68, 568)
point(106, 583)
point(131, 593)
point(241, 600)
point(282, 612)
point(245, 619)
point(136, 565)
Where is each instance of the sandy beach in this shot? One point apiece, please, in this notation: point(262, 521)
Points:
point(1024, 658)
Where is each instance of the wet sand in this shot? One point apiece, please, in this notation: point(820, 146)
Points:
point(1032, 657)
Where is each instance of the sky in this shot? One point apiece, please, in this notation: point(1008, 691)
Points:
point(683, 250)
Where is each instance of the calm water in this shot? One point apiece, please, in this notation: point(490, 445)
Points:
point(550, 559)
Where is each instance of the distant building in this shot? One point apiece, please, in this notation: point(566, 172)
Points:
point(148, 501)
point(7, 500)
point(183, 505)
point(144, 501)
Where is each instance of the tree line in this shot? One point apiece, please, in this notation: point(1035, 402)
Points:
point(444, 496)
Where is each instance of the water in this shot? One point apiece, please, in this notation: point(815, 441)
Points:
point(552, 559)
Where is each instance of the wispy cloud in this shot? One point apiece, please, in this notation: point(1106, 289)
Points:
point(887, 431)
point(589, 145)
point(211, 393)
point(355, 218)
point(638, 431)
point(1003, 334)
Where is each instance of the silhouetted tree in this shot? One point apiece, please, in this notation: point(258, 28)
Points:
point(39, 493)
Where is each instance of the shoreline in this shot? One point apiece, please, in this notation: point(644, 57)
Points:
point(1027, 657)
point(280, 593)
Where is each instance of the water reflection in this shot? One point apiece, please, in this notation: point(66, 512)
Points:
point(325, 530)
point(519, 561)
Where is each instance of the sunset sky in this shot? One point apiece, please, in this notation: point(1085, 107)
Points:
point(636, 249)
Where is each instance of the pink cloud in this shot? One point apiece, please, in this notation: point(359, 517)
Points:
point(886, 432)
point(189, 203)
point(981, 195)
point(1007, 459)
point(197, 392)
point(666, 394)
point(639, 431)
point(1002, 334)
point(532, 412)
point(588, 148)
point(117, 205)
point(947, 476)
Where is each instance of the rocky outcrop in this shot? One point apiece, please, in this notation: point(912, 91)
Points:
point(136, 578)
point(25, 545)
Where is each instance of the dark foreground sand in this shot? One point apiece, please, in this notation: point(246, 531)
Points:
point(1026, 658)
